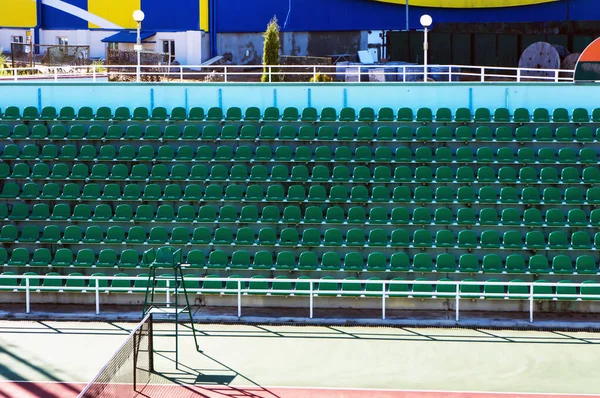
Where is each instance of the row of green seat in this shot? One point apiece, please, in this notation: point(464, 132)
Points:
point(289, 132)
point(304, 154)
point(310, 261)
point(365, 114)
point(291, 214)
point(350, 287)
point(301, 173)
point(298, 193)
point(309, 237)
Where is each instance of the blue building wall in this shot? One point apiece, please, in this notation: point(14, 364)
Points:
point(320, 15)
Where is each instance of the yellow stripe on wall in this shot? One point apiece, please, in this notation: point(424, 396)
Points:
point(18, 14)
point(468, 3)
point(204, 15)
point(119, 12)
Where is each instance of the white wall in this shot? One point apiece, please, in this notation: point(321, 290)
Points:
point(188, 45)
point(5, 37)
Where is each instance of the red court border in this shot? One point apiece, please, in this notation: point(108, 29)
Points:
point(10, 389)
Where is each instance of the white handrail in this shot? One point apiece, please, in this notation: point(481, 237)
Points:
point(179, 73)
point(240, 290)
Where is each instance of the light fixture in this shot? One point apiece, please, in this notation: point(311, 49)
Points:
point(138, 16)
point(426, 20)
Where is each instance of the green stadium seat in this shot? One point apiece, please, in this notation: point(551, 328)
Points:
point(178, 114)
point(581, 115)
point(541, 115)
point(559, 115)
point(240, 259)
point(376, 262)
point(195, 114)
point(214, 114)
point(290, 114)
point(399, 262)
point(29, 113)
point(366, 114)
point(271, 114)
point(347, 115)
point(586, 264)
point(351, 287)
point(484, 133)
point(309, 114)
point(328, 114)
point(424, 115)
point(93, 234)
point(422, 262)
point(19, 212)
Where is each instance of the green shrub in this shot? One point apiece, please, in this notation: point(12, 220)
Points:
point(3, 62)
point(271, 52)
point(99, 66)
point(321, 78)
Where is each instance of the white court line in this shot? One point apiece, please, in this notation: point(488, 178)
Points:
point(336, 389)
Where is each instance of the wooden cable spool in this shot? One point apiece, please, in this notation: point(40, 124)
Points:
point(570, 61)
point(540, 55)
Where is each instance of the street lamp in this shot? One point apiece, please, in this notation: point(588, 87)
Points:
point(426, 22)
point(138, 16)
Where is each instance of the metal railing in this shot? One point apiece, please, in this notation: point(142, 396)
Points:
point(383, 291)
point(252, 73)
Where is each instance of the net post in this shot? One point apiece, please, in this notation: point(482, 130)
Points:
point(150, 343)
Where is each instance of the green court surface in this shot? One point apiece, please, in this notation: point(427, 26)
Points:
point(308, 358)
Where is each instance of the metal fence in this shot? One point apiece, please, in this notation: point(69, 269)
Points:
point(49, 55)
point(344, 73)
point(379, 289)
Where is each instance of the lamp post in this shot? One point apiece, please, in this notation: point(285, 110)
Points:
point(426, 22)
point(138, 16)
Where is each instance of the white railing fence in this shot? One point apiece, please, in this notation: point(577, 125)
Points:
point(241, 73)
point(382, 289)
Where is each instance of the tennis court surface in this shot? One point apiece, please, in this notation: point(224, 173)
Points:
point(58, 359)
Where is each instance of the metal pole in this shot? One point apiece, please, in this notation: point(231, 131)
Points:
point(457, 301)
point(27, 302)
point(97, 297)
point(177, 325)
point(310, 301)
point(239, 299)
point(425, 48)
point(383, 300)
point(407, 27)
point(139, 52)
point(531, 303)
point(168, 296)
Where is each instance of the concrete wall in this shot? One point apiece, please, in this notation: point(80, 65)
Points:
point(300, 95)
point(374, 304)
point(247, 48)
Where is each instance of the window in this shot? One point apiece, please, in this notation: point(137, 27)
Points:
point(169, 48)
point(16, 39)
point(113, 46)
point(62, 41)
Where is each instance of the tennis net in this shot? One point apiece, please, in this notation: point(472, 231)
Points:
point(130, 368)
